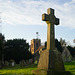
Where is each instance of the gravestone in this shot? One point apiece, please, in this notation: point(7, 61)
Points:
point(30, 61)
point(50, 61)
point(12, 62)
point(27, 62)
point(66, 56)
point(23, 63)
point(6, 63)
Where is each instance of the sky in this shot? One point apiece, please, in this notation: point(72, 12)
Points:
point(23, 18)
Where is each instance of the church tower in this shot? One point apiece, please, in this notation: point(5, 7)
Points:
point(35, 44)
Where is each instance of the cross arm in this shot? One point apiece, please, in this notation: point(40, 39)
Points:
point(45, 17)
point(56, 21)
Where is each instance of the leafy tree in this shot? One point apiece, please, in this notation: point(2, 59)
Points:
point(62, 42)
point(1, 48)
point(72, 50)
point(58, 45)
point(45, 43)
point(17, 49)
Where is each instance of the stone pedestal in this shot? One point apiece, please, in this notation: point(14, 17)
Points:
point(51, 60)
point(50, 63)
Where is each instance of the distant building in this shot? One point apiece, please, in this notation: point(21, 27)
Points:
point(35, 44)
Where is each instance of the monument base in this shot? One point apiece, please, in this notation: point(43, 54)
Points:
point(51, 60)
point(48, 72)
point(50, 63)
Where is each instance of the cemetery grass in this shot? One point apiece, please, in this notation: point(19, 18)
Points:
point(18, 70)
point(26, 70)
point(70, 66)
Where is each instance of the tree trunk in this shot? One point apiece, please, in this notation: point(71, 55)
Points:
point(0, 65)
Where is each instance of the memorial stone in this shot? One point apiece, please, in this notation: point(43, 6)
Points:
point(50, 61)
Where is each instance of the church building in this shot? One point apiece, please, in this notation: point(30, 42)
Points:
point(35, 44)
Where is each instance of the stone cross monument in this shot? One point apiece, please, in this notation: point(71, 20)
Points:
point(50, 20)
point(50, 58)
point(50, 61)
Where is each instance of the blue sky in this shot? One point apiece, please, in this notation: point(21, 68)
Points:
point(22, 19)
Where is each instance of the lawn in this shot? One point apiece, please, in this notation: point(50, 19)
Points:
point(70, 66)
point(26, 70)
point(18, 70)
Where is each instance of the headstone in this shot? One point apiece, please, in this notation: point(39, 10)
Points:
point(50, 62)
point(12, 63)
point(50, 56)
point(23, 63)
point(27, 62)
point(6, 63)
point(30, 61)
point(66, 56)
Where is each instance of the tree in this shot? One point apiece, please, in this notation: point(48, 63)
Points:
point(62, 42)
point(58, 45)
point(45, 43)
point(1, 48)
point(72, 50)
point(17, 49)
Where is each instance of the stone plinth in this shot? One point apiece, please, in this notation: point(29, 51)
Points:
point(51, 60)
point(50, 63)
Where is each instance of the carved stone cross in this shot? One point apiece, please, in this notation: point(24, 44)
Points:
point(50, 20)
point(50, 61)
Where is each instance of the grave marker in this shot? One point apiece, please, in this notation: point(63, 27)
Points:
point(50, 61)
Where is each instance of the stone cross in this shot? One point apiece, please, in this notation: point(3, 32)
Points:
point(50, 61)
point(50, 20)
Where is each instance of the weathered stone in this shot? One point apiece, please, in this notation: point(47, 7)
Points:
point(66, 56)
point(51, 60)
point(12, 63)
point(50, 20)
point(6, 63)
point(23, 63)
point(30, 61)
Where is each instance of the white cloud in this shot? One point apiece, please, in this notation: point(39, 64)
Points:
point(30, 12)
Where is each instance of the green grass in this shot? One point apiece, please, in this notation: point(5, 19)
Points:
point(70, 66)
point(26, 70)
point(18, 70)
